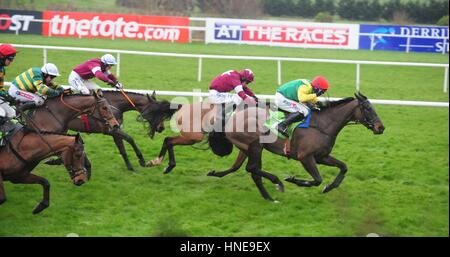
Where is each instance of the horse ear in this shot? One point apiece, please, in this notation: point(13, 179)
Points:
point(149, 98)
point(362, 96)
point(154, 95)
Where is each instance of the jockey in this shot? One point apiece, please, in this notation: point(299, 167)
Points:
point(223, 84)
point(292, 97)
point(79, 79)
point(232, 80)
point(7, 55)
point(80, 76)
point(34, 85)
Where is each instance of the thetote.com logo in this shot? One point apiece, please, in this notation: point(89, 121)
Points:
point(116, 26)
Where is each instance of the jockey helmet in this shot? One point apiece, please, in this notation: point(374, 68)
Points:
point(50, 69)
point(108, 59)
point(7, 51)
point(320, 82)
point(247, 74)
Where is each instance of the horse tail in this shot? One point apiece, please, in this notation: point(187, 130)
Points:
point(219, 144)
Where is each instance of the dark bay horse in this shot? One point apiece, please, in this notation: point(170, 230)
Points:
point(62, 113)
point(27, 148)
point(310, 146)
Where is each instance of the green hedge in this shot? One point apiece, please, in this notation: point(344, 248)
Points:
point(418, 11)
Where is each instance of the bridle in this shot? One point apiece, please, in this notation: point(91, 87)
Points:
point(364, 107)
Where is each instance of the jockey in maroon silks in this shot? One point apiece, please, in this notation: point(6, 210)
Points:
point(221, 87)
point(80, 80)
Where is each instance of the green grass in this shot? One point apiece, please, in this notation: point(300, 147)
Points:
point(397, 183)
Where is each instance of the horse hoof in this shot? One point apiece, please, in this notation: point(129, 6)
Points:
point(168, 169)
point(276, 202)
point(280, 187)
point(290, 179)
point(211, 173)
point(326, 189)
point(42, 206)
point(143, 163)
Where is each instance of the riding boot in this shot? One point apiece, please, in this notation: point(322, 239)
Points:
point(26, 106)
point(291, 118)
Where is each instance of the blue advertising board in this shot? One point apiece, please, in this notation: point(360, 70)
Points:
point(422, 38)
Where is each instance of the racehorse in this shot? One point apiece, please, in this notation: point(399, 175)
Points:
point(193, 120)
point(310, 146)
point(60, 114)
point(27, 148)
point(150, 110)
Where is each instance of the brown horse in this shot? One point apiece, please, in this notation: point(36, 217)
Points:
point(193, 121)
point(310, 146)
point(153, 111)
point(61, 113)
point(27, 148)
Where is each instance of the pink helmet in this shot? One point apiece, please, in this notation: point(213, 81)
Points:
point(320, 82)
point(247, 74)
point(7, 50)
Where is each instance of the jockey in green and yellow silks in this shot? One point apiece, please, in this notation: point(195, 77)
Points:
point(34, 85)
point(292, 97)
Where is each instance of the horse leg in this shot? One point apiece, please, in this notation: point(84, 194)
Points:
point(237, 164)
point(119, 143)
point(310, 166)
point(169, 143)
point(2, 190)
point(254, 167)
point(331, 161)
point(130, 141)
point(35, 179)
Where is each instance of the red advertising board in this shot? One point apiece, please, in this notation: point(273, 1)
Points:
point(75, 24)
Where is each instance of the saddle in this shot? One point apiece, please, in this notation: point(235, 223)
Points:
point(275, 117)
point(8, 131)
point(222, 115)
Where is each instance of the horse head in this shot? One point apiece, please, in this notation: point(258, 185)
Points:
point(367, 115)
point(156, 112)
point(74, 161)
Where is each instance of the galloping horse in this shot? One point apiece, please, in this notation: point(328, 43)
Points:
point(310, 146)
point(27, 148)
point(151, 110)
point(192, 121)
point(60, 114)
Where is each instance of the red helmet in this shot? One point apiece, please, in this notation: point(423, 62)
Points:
point(247, 74)
point(7, 50)
point(320, 82)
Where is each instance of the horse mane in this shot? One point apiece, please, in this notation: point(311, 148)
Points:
point(68, 95)
point(330, 104)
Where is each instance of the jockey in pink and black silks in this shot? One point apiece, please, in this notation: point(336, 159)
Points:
point(292, 97)
point(79, 78)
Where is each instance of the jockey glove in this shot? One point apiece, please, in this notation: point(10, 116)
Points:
point(111, 83)
point(118, 85)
